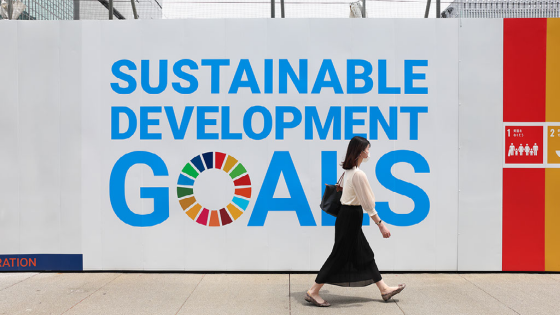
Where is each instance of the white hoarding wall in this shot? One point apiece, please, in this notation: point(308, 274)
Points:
point(40, 139)
point(480, 145)
point(205, 144)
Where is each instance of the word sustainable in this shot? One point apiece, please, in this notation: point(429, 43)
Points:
point(359, 76)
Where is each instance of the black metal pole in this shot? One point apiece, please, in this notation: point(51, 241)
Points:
point(134, 9)
point(438, 9)
point(272, 8)
point(76, 9)
point(10, 9)
point(364, 12)
point(282, 9)
point(427, 9)
point(110, 9)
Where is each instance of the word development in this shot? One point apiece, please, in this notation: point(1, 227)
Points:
point(280, 119)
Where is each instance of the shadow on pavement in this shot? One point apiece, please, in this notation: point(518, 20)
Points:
point(339, 300)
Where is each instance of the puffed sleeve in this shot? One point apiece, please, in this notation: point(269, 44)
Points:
point(364, 192)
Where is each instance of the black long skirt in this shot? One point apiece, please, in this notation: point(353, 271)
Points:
point(351, 262)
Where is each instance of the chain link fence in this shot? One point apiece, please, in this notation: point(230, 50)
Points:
point(294, 8)
point(502, 9)
point(122, 9)
point(81, 9)
point(189, 9)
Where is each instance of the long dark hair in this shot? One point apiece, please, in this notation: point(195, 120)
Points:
point(356, 146)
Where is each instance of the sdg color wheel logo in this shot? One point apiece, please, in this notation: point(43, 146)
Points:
point(214, 189)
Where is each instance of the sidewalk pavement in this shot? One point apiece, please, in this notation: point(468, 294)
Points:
point(183, 293)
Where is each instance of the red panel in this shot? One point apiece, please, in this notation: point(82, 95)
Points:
point(524, 70)
point(523, 219)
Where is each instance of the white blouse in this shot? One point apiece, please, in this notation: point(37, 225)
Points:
point(356, 191)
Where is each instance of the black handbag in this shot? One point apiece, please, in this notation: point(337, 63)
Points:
point(331, 198)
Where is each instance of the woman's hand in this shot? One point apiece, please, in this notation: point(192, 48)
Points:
point(384, 230)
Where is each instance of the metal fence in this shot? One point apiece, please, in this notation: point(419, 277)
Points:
point(294, 8)
point(82, 9)
point(188, 9)
point(122, 9)
point(502, 9)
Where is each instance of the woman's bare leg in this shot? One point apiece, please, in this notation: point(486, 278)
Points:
point(314, 292)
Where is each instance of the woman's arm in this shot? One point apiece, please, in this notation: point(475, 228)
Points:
point(382, 228)
point(367, 200)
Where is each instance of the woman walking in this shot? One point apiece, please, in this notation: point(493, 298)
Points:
point(351, 262)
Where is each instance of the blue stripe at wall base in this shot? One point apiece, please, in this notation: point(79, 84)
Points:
point(42, 262)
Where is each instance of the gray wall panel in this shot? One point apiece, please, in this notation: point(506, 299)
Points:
point(480, 141)
point(9, 165)
point(70, 136)
point(39, 146)
point(90, 199)
point(447, 159)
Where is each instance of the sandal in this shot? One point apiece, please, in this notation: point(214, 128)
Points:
point(387, 296)
point(310, 299)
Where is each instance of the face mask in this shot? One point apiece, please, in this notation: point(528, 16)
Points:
point(366, 159)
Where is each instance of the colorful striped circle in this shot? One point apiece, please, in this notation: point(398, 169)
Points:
point(241, 196)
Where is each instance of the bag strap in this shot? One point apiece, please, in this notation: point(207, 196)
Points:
point(340, 179)
point(338, 187)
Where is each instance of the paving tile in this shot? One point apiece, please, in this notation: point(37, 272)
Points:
point(50, 293)
point(364, 300)
point(9, 279)
point(140, 293)
point(172, 293)
point(555, 276)
point(525, 293)
point(446, 294)
point(240, 294)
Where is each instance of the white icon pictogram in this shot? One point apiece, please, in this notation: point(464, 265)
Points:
point(512, 150)
point(523, 150)
point(536, 149)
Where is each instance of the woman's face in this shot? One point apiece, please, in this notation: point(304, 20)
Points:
point(365, 153)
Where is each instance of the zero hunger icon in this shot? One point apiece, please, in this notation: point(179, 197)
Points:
point(203, 213)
